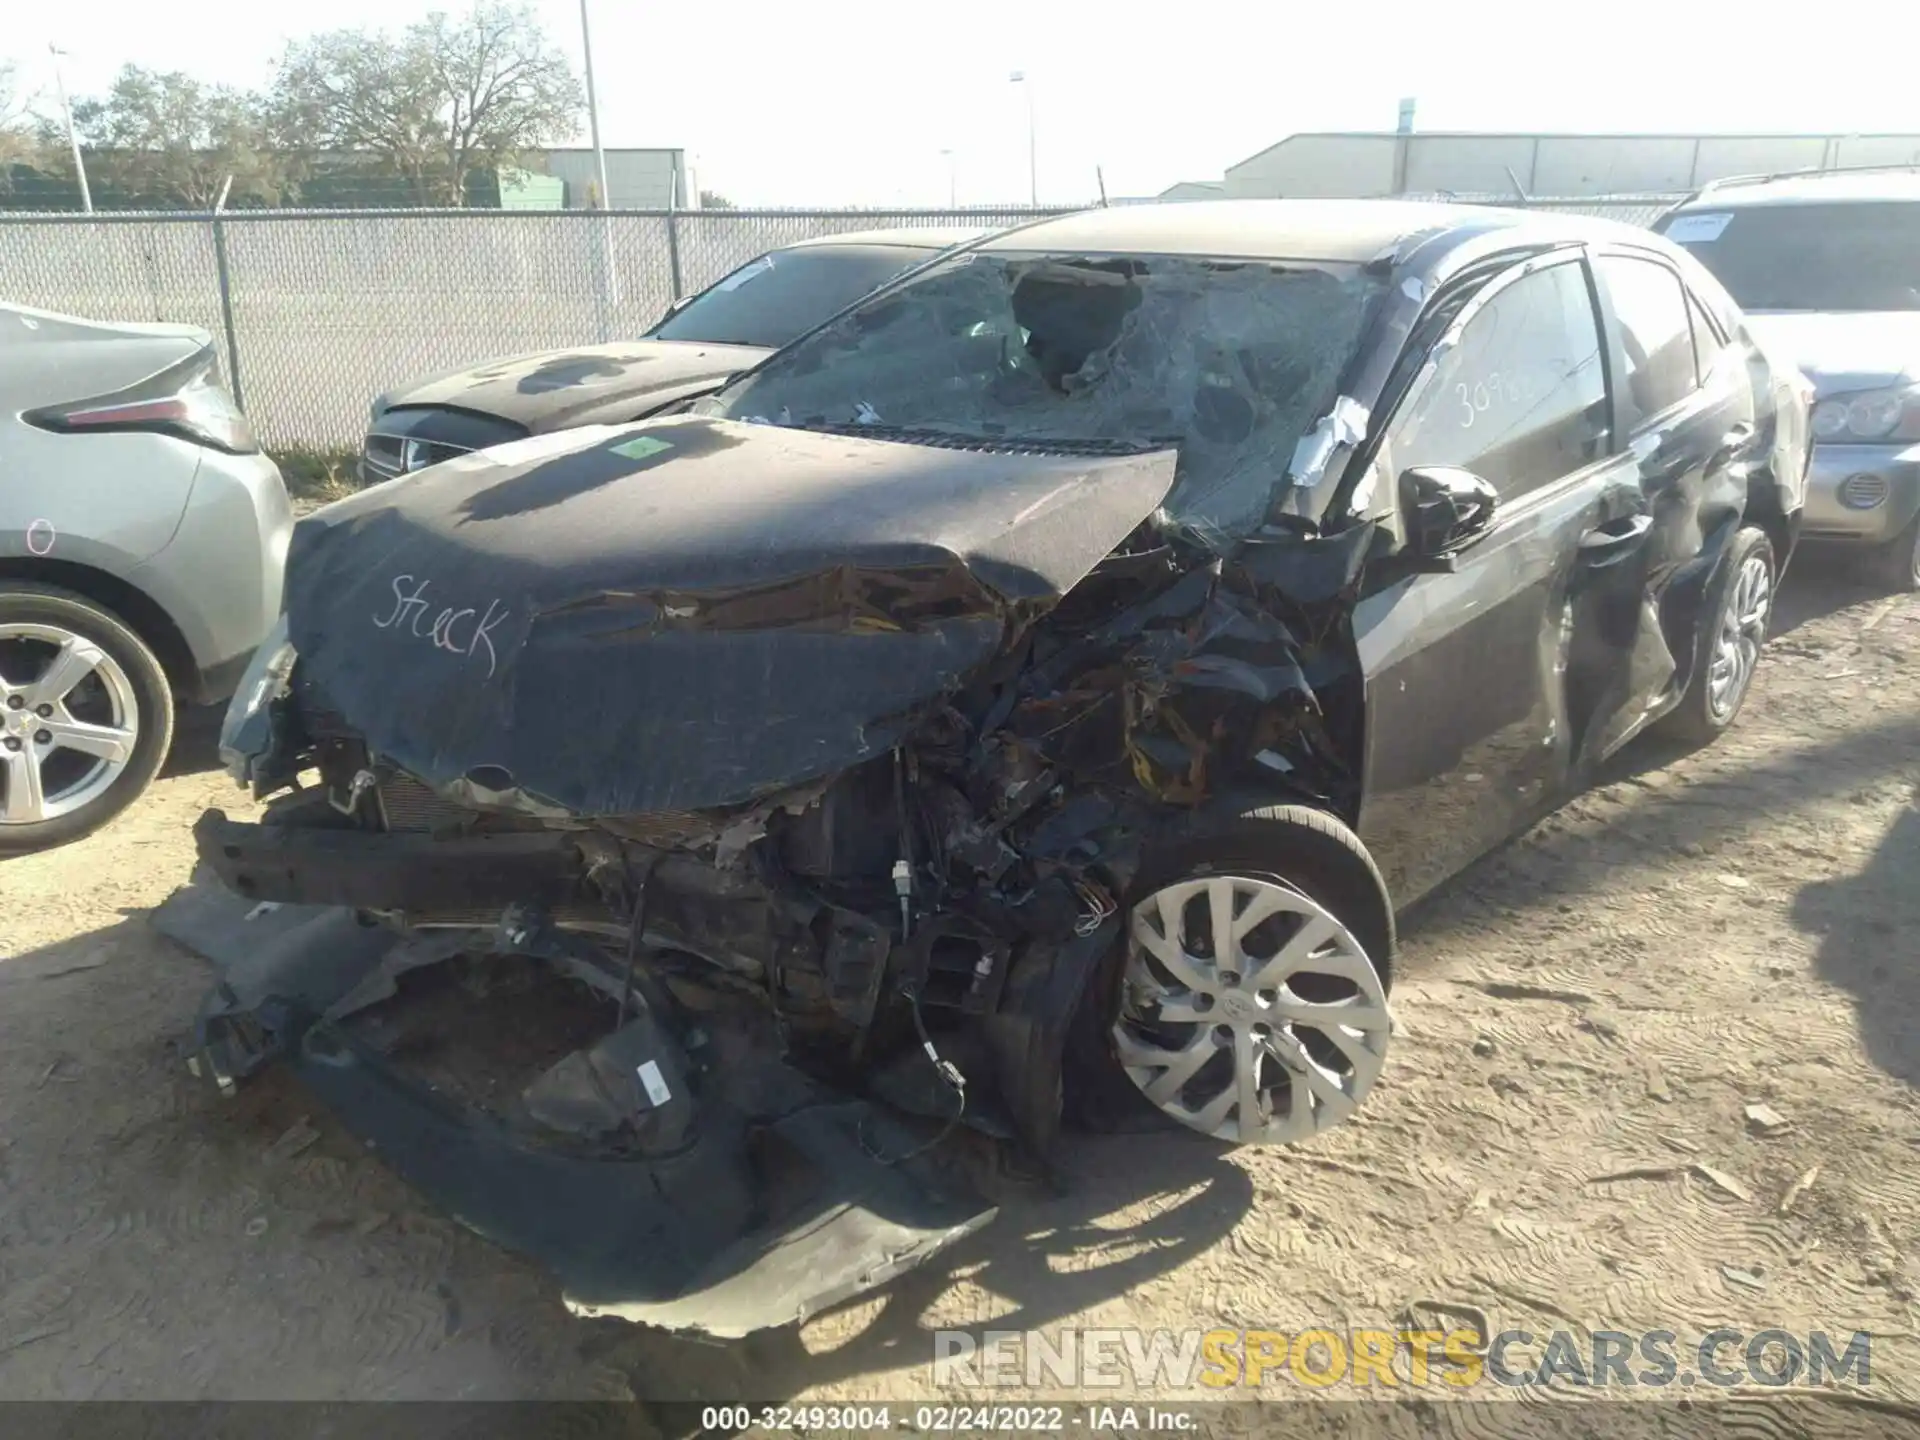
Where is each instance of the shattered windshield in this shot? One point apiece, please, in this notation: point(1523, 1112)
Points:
point(1230, 361)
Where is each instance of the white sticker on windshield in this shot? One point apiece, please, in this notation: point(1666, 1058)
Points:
point(654, 1082)
point(1700, 229)
point(745, 273)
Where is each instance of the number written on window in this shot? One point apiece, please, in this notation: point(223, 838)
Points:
point(1520, 397)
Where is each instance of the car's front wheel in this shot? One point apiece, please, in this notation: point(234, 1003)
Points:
point(86, 717)
point(1249, 1002)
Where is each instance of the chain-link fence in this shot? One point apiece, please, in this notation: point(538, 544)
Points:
point(315, 312)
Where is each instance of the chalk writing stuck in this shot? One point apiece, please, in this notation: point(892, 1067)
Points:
point(462, 631)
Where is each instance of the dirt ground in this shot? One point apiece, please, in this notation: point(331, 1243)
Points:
point(1700, 934)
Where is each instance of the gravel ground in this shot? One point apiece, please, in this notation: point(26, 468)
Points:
point(1605, 997)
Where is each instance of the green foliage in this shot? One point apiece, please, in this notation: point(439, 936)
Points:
point(446, 98)
point(349, 118)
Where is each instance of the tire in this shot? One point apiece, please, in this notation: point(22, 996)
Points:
point(1308, 853)
point(1899, 561)
point(122, 693)
point(1704, 713)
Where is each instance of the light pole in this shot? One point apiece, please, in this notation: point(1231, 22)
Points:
point(1019, 77)
point(73, 138)
point(593, 110)
point(953, 182)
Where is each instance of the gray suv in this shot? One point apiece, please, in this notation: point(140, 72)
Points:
point(142, 538)
point(1827, 268)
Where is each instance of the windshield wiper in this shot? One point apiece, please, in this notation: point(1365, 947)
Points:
point(1006, 444)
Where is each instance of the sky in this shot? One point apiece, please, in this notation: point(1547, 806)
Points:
point(856, 102)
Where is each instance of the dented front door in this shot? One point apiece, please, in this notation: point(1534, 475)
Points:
point(1468, 736)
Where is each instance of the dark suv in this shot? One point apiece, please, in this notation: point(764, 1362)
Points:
point(1038, 687)
point(1827, 267)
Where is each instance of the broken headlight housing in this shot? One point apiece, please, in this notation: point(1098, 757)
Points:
point(246, 736)
point(1869, 415)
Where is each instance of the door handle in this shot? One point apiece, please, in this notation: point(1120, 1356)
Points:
point(1615, 534)
point(1732, 444)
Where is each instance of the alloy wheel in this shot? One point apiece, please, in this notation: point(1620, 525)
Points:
point(1248, 1011)
point(1742, 631)
point(69, 721)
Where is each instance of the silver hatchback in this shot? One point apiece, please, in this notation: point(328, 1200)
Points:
point(142, 539)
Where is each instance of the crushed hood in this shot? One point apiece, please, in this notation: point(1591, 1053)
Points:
point(592, 384)
point(686, 613)
point(1842, 353)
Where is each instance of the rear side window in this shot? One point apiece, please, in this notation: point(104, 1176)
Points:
point(1655, 332)
point(1708, 348)
point(1520, 399)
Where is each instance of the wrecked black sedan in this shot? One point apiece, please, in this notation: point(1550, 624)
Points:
point(1028, 696)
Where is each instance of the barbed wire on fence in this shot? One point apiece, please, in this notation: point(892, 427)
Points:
point(316, 312)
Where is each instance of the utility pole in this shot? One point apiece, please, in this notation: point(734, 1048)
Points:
point(593, 110)
point(953, 181)
point(73, 138)
point(1019, 77)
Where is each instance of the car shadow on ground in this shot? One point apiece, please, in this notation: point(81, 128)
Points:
point(1133, 1209)
point(196, 741)
point(1867, 923)
point(1556, 861)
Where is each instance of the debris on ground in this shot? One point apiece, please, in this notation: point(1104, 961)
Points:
point(1798, 1188)
point(1721, 1181)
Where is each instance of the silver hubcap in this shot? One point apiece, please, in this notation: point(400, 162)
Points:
point(68, 722)
point(1248, 1012)
point(1743, 627)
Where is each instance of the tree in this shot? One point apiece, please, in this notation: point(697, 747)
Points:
point(18, 142)
point(714, 200)
point(451, 96)
point(165, 139)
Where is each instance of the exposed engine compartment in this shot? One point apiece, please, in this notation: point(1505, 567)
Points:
point(900, 923)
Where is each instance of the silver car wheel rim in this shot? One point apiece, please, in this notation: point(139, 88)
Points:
point(69, 721)
point(1743, 629)
point(1272, 1035)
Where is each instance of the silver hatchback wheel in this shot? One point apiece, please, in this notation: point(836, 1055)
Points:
point(1248, 1011)
point(69, 721)
point(1742, 630)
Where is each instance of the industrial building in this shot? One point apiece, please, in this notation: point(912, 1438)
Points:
point(569, 179)
point(1485, 163)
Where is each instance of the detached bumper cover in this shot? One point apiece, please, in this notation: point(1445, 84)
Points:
point(763, 1220)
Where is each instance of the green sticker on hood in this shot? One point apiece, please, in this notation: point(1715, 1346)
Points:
point(641, 447)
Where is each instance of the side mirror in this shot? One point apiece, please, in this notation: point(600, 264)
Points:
point(1447, 511)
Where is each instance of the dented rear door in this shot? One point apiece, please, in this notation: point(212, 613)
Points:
point(1685, 407)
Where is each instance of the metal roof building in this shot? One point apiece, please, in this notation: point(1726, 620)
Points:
point(1487, 163)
